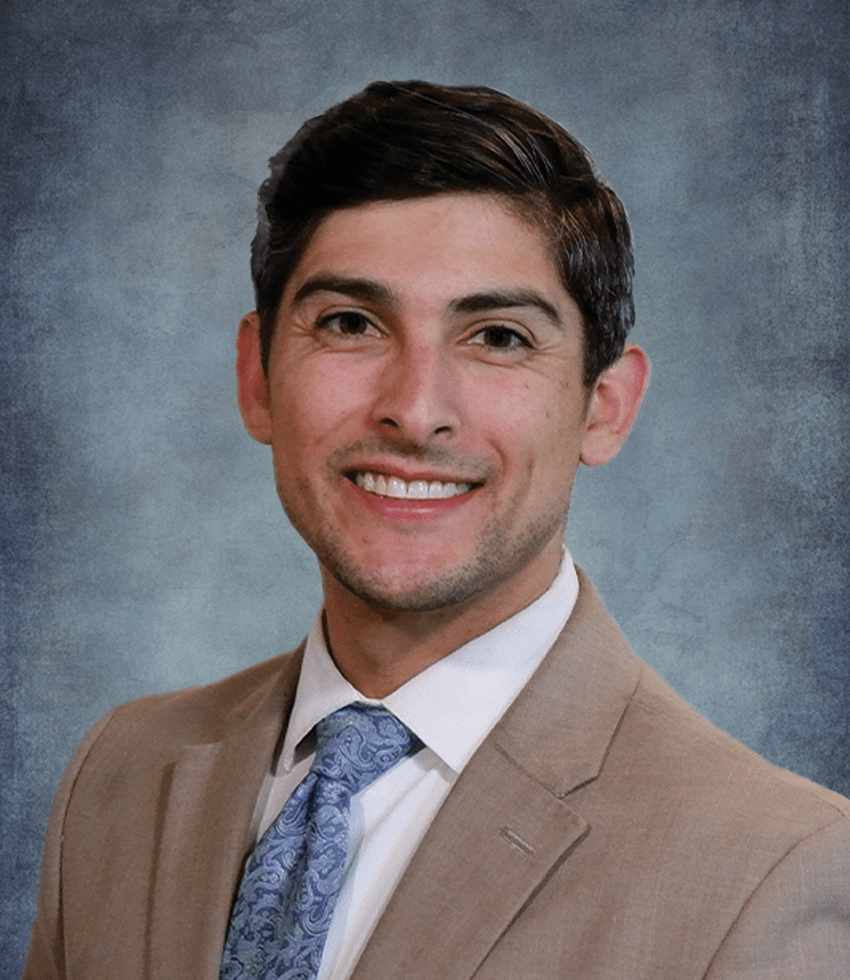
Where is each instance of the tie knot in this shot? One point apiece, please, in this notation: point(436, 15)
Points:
point(360, 742)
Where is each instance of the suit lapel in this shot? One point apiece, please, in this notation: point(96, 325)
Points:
point(507, 824)
point(206, 831)
point(492, 844)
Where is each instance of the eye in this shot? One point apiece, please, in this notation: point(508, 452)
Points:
point(349, 323)
point(500, 337)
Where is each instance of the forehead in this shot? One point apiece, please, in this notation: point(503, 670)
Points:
point(442, 245)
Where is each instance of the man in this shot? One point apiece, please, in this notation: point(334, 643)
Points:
point(443, 294)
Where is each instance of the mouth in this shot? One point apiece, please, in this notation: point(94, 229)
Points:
point(399, 489)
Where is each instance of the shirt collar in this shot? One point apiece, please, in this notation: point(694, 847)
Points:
point(454, 703)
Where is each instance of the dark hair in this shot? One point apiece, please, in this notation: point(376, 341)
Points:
point(399, 140)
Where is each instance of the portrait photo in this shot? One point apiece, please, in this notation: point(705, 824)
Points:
point(692, 187)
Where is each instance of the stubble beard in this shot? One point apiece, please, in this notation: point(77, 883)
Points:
point(499, 556)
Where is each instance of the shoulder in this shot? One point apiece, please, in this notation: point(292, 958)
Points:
point(674, 754)
point(688, 758)
point(162, 724)
point(747, 863)
point(109, 809)
point(759, 856)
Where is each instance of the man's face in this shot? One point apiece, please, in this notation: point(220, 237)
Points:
point(425, 402)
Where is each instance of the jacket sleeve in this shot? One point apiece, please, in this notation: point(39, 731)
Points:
point(46, 957)
point(797, 922)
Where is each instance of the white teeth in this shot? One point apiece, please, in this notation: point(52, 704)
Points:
point(393, 486)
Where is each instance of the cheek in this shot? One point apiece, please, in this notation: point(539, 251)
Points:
point(312, 404)
point(548, 443)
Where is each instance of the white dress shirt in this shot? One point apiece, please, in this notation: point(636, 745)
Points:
point(451, 706)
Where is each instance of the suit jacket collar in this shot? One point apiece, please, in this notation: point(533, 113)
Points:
point(507, 824)
point(560, 727)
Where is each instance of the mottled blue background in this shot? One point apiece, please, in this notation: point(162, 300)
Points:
point(143, 546)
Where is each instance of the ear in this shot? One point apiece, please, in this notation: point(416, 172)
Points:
point(253, 390)
point(614, 406)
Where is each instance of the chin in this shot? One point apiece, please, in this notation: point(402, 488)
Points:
point(414, 589)
point(408, 589)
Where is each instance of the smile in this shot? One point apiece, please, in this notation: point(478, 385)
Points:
point(393, 486)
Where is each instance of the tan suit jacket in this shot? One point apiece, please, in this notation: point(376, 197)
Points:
point(603, 830)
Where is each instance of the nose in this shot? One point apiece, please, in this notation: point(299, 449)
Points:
point(417, 393)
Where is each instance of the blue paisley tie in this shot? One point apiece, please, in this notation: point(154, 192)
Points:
point(289, 889)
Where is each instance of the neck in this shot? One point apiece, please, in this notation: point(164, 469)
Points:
point(378, 649)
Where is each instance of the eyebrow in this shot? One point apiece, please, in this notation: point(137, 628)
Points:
point(365, 290)
point(369, 291)
point(505, 299)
